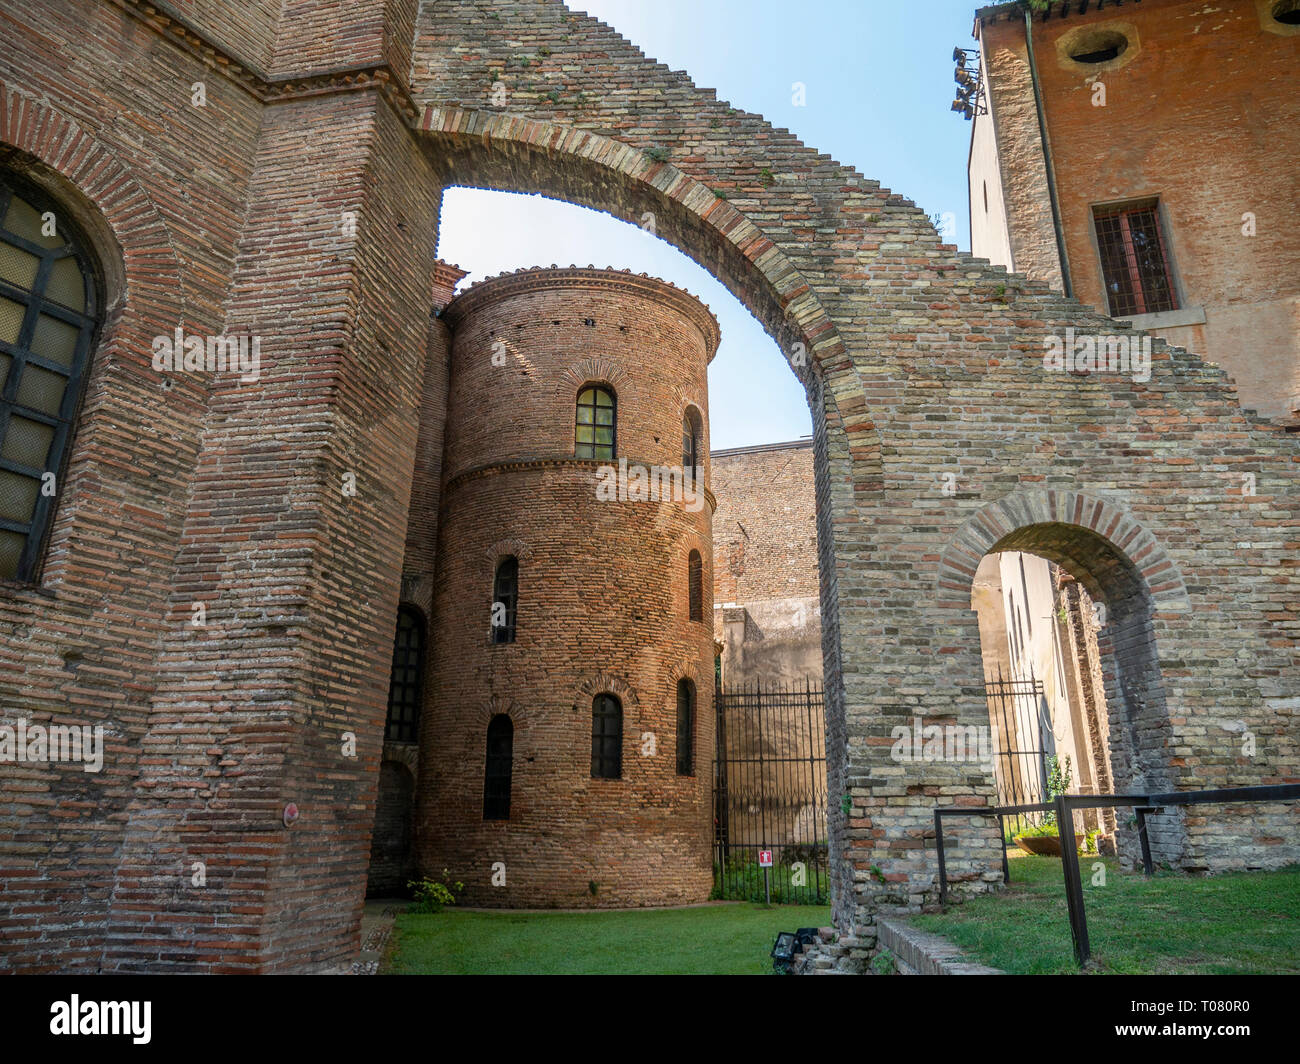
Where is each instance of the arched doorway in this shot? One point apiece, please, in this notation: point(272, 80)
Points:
point(1070, 660)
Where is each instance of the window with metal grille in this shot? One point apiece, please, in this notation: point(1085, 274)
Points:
point(685, 728)
point(695, 582)
point(1134, 265)
point(505, 600)
point(496, 777)
point(691, 433)
point(49, 315)
point(595, 428)
point(405, 681)
point(606, 737)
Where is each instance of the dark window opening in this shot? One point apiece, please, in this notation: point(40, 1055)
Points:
point(986, 197)
point(692, 431)
point(505, 600)
point(1134, 265)
point(695, 588)
point(1105, 55)
point(685, 728)
point(594, 431)
point(49, 313)
point(1287, 13)
point(606, 738)
point(406, 679)
point(496, 776)
point(1099, 47)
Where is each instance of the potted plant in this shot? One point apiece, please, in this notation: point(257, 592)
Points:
point(1045, 839)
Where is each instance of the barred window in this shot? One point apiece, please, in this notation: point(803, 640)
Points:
point(406, 679)
point(505, 600)
point(685, 728)
point(496, 776)
point(49, 313)
point(1134, 265)
point(596, 423)
point(695, 582)
point(606, 737)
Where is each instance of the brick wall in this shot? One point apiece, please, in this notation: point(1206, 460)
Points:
point(765, 594)
point(1210, 146)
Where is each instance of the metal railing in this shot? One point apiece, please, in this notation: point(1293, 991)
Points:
point(1063, 806)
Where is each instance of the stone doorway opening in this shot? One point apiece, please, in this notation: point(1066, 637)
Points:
point(1068, 643)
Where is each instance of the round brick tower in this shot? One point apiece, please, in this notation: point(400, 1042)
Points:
point(567, 739)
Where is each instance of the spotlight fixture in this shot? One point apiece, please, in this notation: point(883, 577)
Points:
point(970, 93)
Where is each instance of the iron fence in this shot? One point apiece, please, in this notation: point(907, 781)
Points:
point(770, 793)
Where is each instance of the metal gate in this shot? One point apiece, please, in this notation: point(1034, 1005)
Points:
point(1020, 717)
point(770, 792)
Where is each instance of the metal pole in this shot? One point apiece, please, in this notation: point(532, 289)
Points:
point(1141, 813)
point(1006, 865)
point(767, 887)
point(1073, 885)
point(943, 870)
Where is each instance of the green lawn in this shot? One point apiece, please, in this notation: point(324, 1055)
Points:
point(1237, 923)
point(732, 939)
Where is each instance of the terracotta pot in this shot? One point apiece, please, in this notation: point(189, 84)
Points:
point(1043, 845)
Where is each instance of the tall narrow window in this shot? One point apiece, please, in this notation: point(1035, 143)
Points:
point(606, 737)
point(594, 433)
point(685, 728)
point(695, 582)
point(505, 600)
point(49, 311)
point(692, 426)
point(496, 777)
point(1134, 265)
point(405, 680)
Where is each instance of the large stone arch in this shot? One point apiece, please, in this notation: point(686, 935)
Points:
point(503, 152)
point(1124, 567)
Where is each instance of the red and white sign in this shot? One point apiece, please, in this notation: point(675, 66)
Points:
point(764, 858)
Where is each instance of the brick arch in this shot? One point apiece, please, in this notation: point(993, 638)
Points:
point(486, 149)
point(518, 151)
point(1122, 565)
point(595, 371)
point(606, 683)
point(500, 707)
point(149, 276)
point(1038, 522)
point(505, 548)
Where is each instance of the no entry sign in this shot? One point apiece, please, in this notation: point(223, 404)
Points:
point(764, 858)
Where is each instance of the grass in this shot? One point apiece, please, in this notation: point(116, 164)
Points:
point(728, 939)
point(1231, 924)
point(743, 881)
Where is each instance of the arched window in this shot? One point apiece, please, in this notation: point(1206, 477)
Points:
point(695, 581)
point(606, 737)
point(685, 728)
point(406, 678)
point(692, 438)
point(505, 600)
point(49, 312)
point(496, 777)
point(595, 428)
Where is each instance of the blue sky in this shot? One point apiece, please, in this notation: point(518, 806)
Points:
point(878, 77)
